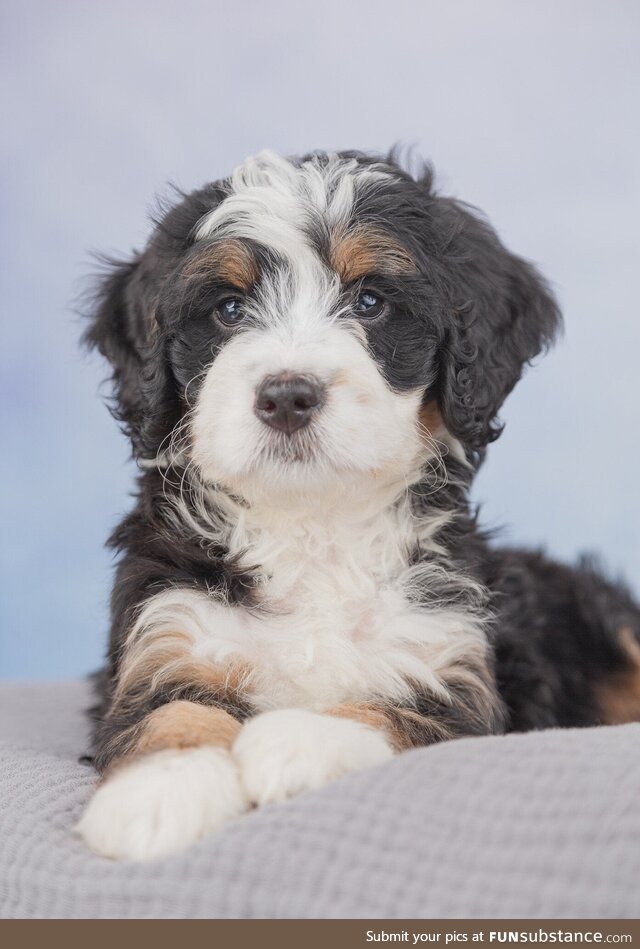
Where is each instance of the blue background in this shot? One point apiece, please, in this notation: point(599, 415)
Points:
point(529, 110)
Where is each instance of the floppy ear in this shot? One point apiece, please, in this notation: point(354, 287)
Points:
point(123, 328)
point(503, 314)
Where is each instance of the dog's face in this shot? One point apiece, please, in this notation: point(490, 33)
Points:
point(306, 326)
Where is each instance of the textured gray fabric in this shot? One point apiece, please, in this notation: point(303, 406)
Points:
point(539, 825)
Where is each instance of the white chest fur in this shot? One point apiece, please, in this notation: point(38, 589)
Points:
point(337, 620)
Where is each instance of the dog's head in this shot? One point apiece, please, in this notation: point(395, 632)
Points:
point(307, 324)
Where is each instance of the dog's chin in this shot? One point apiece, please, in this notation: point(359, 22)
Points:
point(304, 489)
point(296, 472)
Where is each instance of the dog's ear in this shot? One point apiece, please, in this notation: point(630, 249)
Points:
point(124, 329)
point(502, 315)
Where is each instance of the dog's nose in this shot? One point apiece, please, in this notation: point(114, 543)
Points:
point(287, 402)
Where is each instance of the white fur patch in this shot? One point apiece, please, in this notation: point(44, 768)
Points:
point(284, 753)
point(161, 803)
point(332, 636)
point(272, 199)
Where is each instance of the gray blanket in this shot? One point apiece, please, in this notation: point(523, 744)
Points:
point(539, 825)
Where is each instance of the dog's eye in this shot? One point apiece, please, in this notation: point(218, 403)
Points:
point(369, 305)
point(230, 311)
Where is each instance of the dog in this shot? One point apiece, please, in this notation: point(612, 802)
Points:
point(309, 358)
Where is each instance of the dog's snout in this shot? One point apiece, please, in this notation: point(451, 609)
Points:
point(286, 402)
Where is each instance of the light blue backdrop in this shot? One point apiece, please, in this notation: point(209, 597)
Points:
point(528, 109)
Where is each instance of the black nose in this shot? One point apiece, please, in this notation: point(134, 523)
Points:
point(287, 402)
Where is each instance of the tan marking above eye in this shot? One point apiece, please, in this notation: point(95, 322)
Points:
point(230, 261)
point(368, 250)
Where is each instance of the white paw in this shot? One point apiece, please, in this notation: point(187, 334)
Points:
point(161, 803)
point(288, 751)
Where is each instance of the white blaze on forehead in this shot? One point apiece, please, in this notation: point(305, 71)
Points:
point(274, 201)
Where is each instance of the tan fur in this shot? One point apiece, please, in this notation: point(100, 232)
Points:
point(430, 418)
point(186, 725)
point(165, 658)
point(367, 250)
point(403, 727)
point(619, 696)
point(229, 260)
point(470, 685)
point(175, 726)
point(371, 715)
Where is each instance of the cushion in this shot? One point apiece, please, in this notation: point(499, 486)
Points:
point(540, 825)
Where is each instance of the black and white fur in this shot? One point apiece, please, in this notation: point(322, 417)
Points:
point(293, 605)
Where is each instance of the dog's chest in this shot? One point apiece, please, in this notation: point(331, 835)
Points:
point(335, 621)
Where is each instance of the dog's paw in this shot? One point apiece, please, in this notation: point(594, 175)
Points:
point(161, 803)
point(285, 752)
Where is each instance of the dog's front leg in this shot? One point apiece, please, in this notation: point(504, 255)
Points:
point(171, 781)
point(284, 752)
point(162, 741)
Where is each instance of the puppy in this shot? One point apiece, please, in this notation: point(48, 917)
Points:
point(309, 358)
